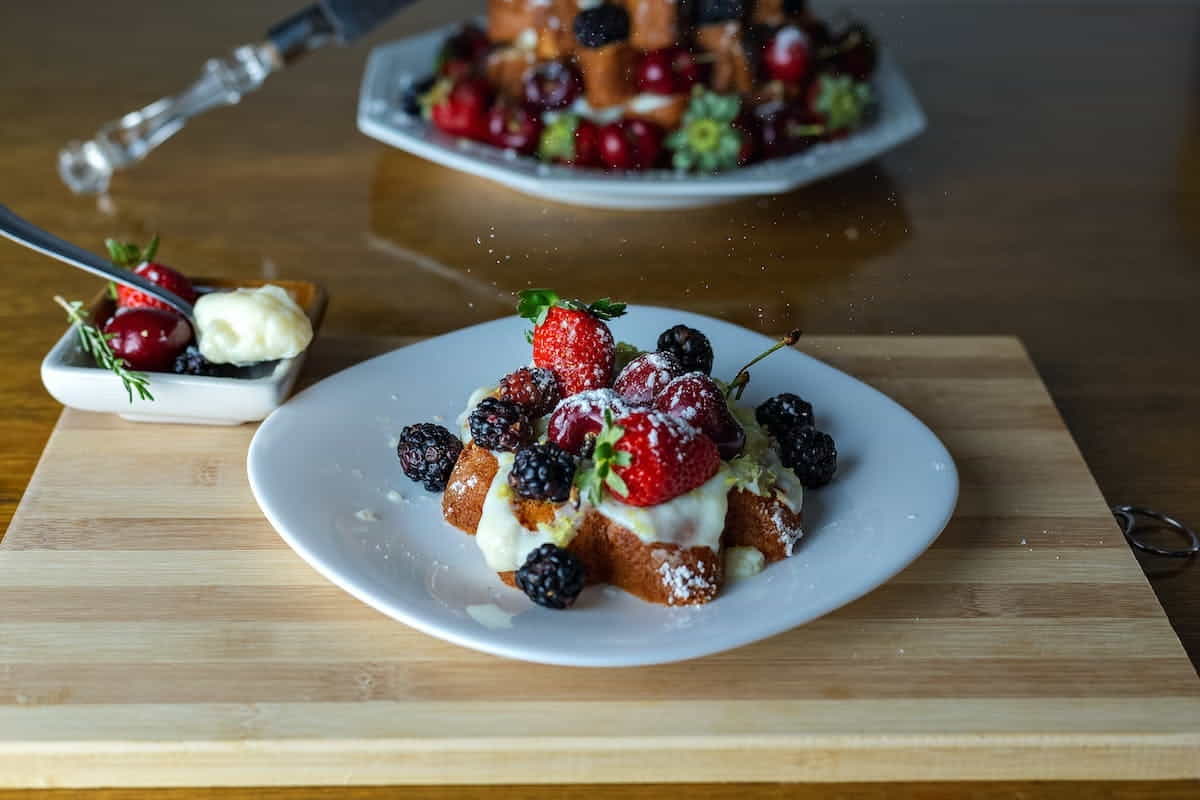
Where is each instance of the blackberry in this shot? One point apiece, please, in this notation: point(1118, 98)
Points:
point(601, 25)
point(784, 411)
point(809, 453)
point(712, 11)
point(690, 347)
point(500, 424)
point(427, 454)
point(551, 577)
point(411, 100)
point(535, 388)
point(190, 362)
point(542, 472)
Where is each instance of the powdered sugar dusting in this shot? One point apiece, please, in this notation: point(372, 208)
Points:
point(681, 581)
point(788, 534)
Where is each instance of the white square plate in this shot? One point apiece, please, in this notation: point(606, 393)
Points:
point(393, 67)
point(324, 470)
point(73, 379)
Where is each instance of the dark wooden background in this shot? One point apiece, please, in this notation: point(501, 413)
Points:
point(1056, 195)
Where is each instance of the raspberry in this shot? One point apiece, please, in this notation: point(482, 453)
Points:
point(427, 454)
point(690, 347)
point(500, 424)
point(542, 472)
point(551, 577)
point(783, 412)
point(534, 388)
point(812, 455)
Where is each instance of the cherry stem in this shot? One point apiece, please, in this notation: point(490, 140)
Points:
point(739, 382)
point(805, 130)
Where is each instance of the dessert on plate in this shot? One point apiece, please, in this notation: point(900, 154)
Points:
point(700, 86)
point(241, 329)
point(600, 463)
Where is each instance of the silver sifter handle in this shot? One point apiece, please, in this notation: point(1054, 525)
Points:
point(87, 167)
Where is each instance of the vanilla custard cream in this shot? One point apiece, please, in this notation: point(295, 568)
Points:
point(249, 325)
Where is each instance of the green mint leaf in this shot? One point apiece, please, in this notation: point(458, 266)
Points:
point(151, 249)
point(112, 291)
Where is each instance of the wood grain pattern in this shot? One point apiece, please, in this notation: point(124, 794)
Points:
point(153, 638)
point(1077, 230)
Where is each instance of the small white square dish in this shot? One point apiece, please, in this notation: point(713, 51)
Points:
point(394, 67)
point(73, 379)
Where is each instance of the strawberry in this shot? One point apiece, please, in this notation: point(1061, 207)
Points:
point(571, 339)
point(647, 458)
point(697, 400)
point(132, 257)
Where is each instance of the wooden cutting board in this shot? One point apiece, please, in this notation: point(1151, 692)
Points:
point(155, 631)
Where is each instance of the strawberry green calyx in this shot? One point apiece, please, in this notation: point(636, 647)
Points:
point(841, 100)
point(130, 255)
point(535, 304)
point(558, 139)
point(600, 475)
point(707, 140)
point(623, 353)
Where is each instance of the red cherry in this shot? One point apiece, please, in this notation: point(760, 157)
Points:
point(587, 145)
point(552, 85)
point(856, 52)
point(655, 72)
point(787, 55)
point(788, 130)
point(630, 144)
point(148, 338)
point(748, 126)
point(467, 47)
point(514, 128)
point(582, 415)
point(647, 375)
point(615, 150)
point(463, 111)
point(686, 68)
point(696, 399)
point(647, 141)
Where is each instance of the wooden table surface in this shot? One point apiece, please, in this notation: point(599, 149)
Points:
point(1056, 195)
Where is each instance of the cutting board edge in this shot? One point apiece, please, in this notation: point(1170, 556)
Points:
point(471, 762)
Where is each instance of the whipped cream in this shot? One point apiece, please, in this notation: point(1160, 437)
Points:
point(249, 325)
point(694, 519)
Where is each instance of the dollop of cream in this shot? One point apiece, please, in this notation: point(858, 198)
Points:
point(249, 325)
point(743, 562)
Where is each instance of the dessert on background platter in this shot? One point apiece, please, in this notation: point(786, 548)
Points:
point(641, 103)
point(551, 488)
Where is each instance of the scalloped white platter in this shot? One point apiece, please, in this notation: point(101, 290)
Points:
point(392, 68)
